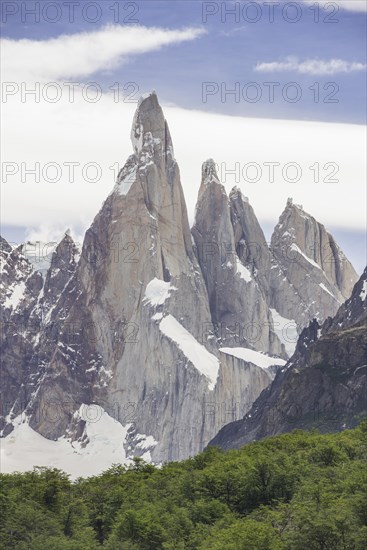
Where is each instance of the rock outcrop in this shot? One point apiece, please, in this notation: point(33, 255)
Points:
point(20, 287)
point(324, 384)
point(224, 231)
point(311, 277)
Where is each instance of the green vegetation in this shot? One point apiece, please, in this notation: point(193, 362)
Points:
point(296, 491)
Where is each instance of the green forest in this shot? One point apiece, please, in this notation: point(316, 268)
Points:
point(298, 491)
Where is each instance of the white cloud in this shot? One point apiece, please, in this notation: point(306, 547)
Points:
point(349, 5)
point(310, 66)
point(52, 233)
point(80, 55)
point(85, 132)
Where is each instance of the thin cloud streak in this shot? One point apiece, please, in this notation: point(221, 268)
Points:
point(349, 5)
point(310, 66)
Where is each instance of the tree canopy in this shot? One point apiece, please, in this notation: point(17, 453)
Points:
point(301, 490)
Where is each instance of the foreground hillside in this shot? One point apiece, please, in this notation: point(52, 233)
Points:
point(294, 491)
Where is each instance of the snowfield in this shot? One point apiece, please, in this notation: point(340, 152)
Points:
point(24, 448)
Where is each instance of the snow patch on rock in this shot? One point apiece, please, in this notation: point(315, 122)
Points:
point(16, 296)
point(242, 271)
point(157, 292)
point(363, 292)
point(286, 330)
point(204, 361)
point(299, 251)
point(255, 357)
point(321, 285)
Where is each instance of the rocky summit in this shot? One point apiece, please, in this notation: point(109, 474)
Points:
point(167, 333)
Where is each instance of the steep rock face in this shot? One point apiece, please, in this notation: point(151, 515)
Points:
point(62, 268)
point(131, 324)
point(20, 287)
point(324, 385)
point(223, 234)
point(20, 283)
point(33, 333)
point(311, 277)
point(353, 311)
point(62, 351)
point(250, 242)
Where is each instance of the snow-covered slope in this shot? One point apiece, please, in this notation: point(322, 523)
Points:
point(101, 446)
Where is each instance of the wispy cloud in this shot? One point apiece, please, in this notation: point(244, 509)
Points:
point(350, 5)
point(310, 66)
point(233, 31)
point(82, 54)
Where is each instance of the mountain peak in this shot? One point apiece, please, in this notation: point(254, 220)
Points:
point(209, 172)
point(151, 96)
point(236, 194)
point(291, 204)
point(67, 237)
point(313, 262)
point(149, 128)
point(66, 251)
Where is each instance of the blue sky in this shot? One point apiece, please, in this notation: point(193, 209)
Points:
point(228, 53)
point(323, 62)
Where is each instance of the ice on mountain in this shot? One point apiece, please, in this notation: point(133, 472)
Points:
point(157, 292)
point(255, 357)
point(25, 448)
point(204, 361)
